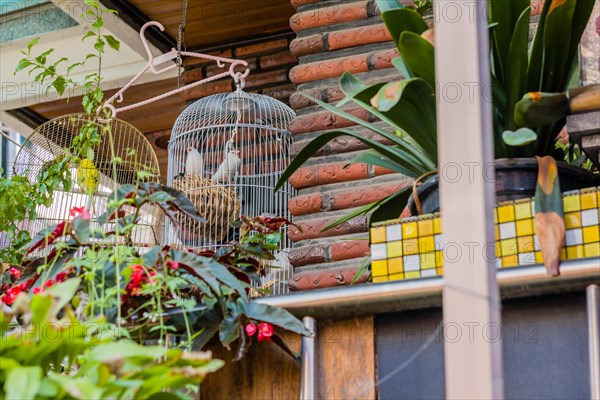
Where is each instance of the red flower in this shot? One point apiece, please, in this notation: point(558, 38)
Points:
point(173, 265)
point(265, 331)
point(48, 283)
point(250, 329)
point(15, 273)
point(37, 290)
point(8, 299)
point(61, 276)
point(57, 232)
point(80, 212)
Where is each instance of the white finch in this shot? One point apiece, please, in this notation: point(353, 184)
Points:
point(228, 168)
point(194, 163)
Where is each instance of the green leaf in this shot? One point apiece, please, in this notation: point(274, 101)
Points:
point(351, 86)
point(99, 45)
point(92, 3)
point(399, 20)
point(23, 383)
point(401, 66)
point(418, 54)
point(392, 206)
point(112, 42)
point(24, 63)
point(63, 292)
point(557, 40)
point(32, 43)
point(537, 109)
point(60, 85)
point(87, 35)
point(98, 24)
point(516, 68)
point(520, 137)
point(359, 211)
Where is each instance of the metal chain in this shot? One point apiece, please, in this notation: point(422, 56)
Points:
point(180, 39)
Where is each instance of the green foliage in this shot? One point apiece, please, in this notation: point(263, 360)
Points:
point(55, 355)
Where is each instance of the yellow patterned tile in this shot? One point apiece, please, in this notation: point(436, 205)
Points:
point(495, 215)
point(409, 230)
point(591, 249)
point(575, 252)
point(410, 246)
point(573, 220)
point(428, 261)
point(571, 203)
point(506, 213)
point(426, 244)
point(379, 268)
point(437, 225)
point(412, 274)
point(377, 279)
point(508, 247)
point(510, 261)
point(397, 277)
point(525, 244)
point(439, 258)
point(497, 232)
point(589, 200)
point(591, 234)
point(539, 258)
point(378, 234)
point(440, 271)
point(523, 210)
point(525, 227)
point(425, 227)
point(395, 265)
point(394, 249)
point(563, 254)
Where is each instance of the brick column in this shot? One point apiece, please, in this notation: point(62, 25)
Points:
point(333, 37)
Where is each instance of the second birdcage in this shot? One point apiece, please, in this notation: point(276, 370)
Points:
point(226, 153)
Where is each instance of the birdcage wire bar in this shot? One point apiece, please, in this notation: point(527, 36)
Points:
point(50, 141)
point(246, 135)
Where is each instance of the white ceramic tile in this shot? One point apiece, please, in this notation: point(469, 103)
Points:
point(393, 232)
point(439, 241)
point(498, 262)
point(379, 251)
point(536, 243)
point(589, 217)
point(412, 263)
point(574, 237)
point(508, 230)
point(429, 272)
point(526, 258)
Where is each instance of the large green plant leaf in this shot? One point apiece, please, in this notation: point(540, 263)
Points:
point(418, 54)
point(399, 19)
point(505, 14)
point(410, 105)
point(392, 207)
point(273, 315)
point(581, 16)
point(401, 66)
point(516, 68)
point(537, 109)
point(536, 53)
point(23, 383)
point(557, 40)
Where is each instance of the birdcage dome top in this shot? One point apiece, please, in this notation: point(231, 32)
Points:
point(235, 108)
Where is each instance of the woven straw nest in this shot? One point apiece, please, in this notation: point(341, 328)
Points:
point(218, 204)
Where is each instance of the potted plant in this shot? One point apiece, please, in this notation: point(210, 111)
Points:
point(548, 64)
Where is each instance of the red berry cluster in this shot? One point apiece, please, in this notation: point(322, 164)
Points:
point(138, 279)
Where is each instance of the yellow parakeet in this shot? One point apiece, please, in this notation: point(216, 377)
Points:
point(88, 178)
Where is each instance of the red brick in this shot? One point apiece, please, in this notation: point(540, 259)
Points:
point(306, 204)
point(193, 75)
point(214, 69)
point(330, 277)
point(313, 229)
point(324, 120)
point(328, 173)
point(346, 144)
point(358, 36)
point(207, 90)
point(265, 78)
point(261, 47)
point(275, 60)
point(307, 45)
point(357, 197)
point(307, 255)
point(382, 59)
point(298, 3)
point(329, 15)
point(382, 171)
point(319, 70)
point(350, 249)
point(281, 93)
point(198, 61)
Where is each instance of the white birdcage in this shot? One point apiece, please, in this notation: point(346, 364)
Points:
point(226, 153)
point(50, 141)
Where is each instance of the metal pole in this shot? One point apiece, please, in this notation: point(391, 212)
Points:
point(473, 363)
point(308, 372)
point(593, 314)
